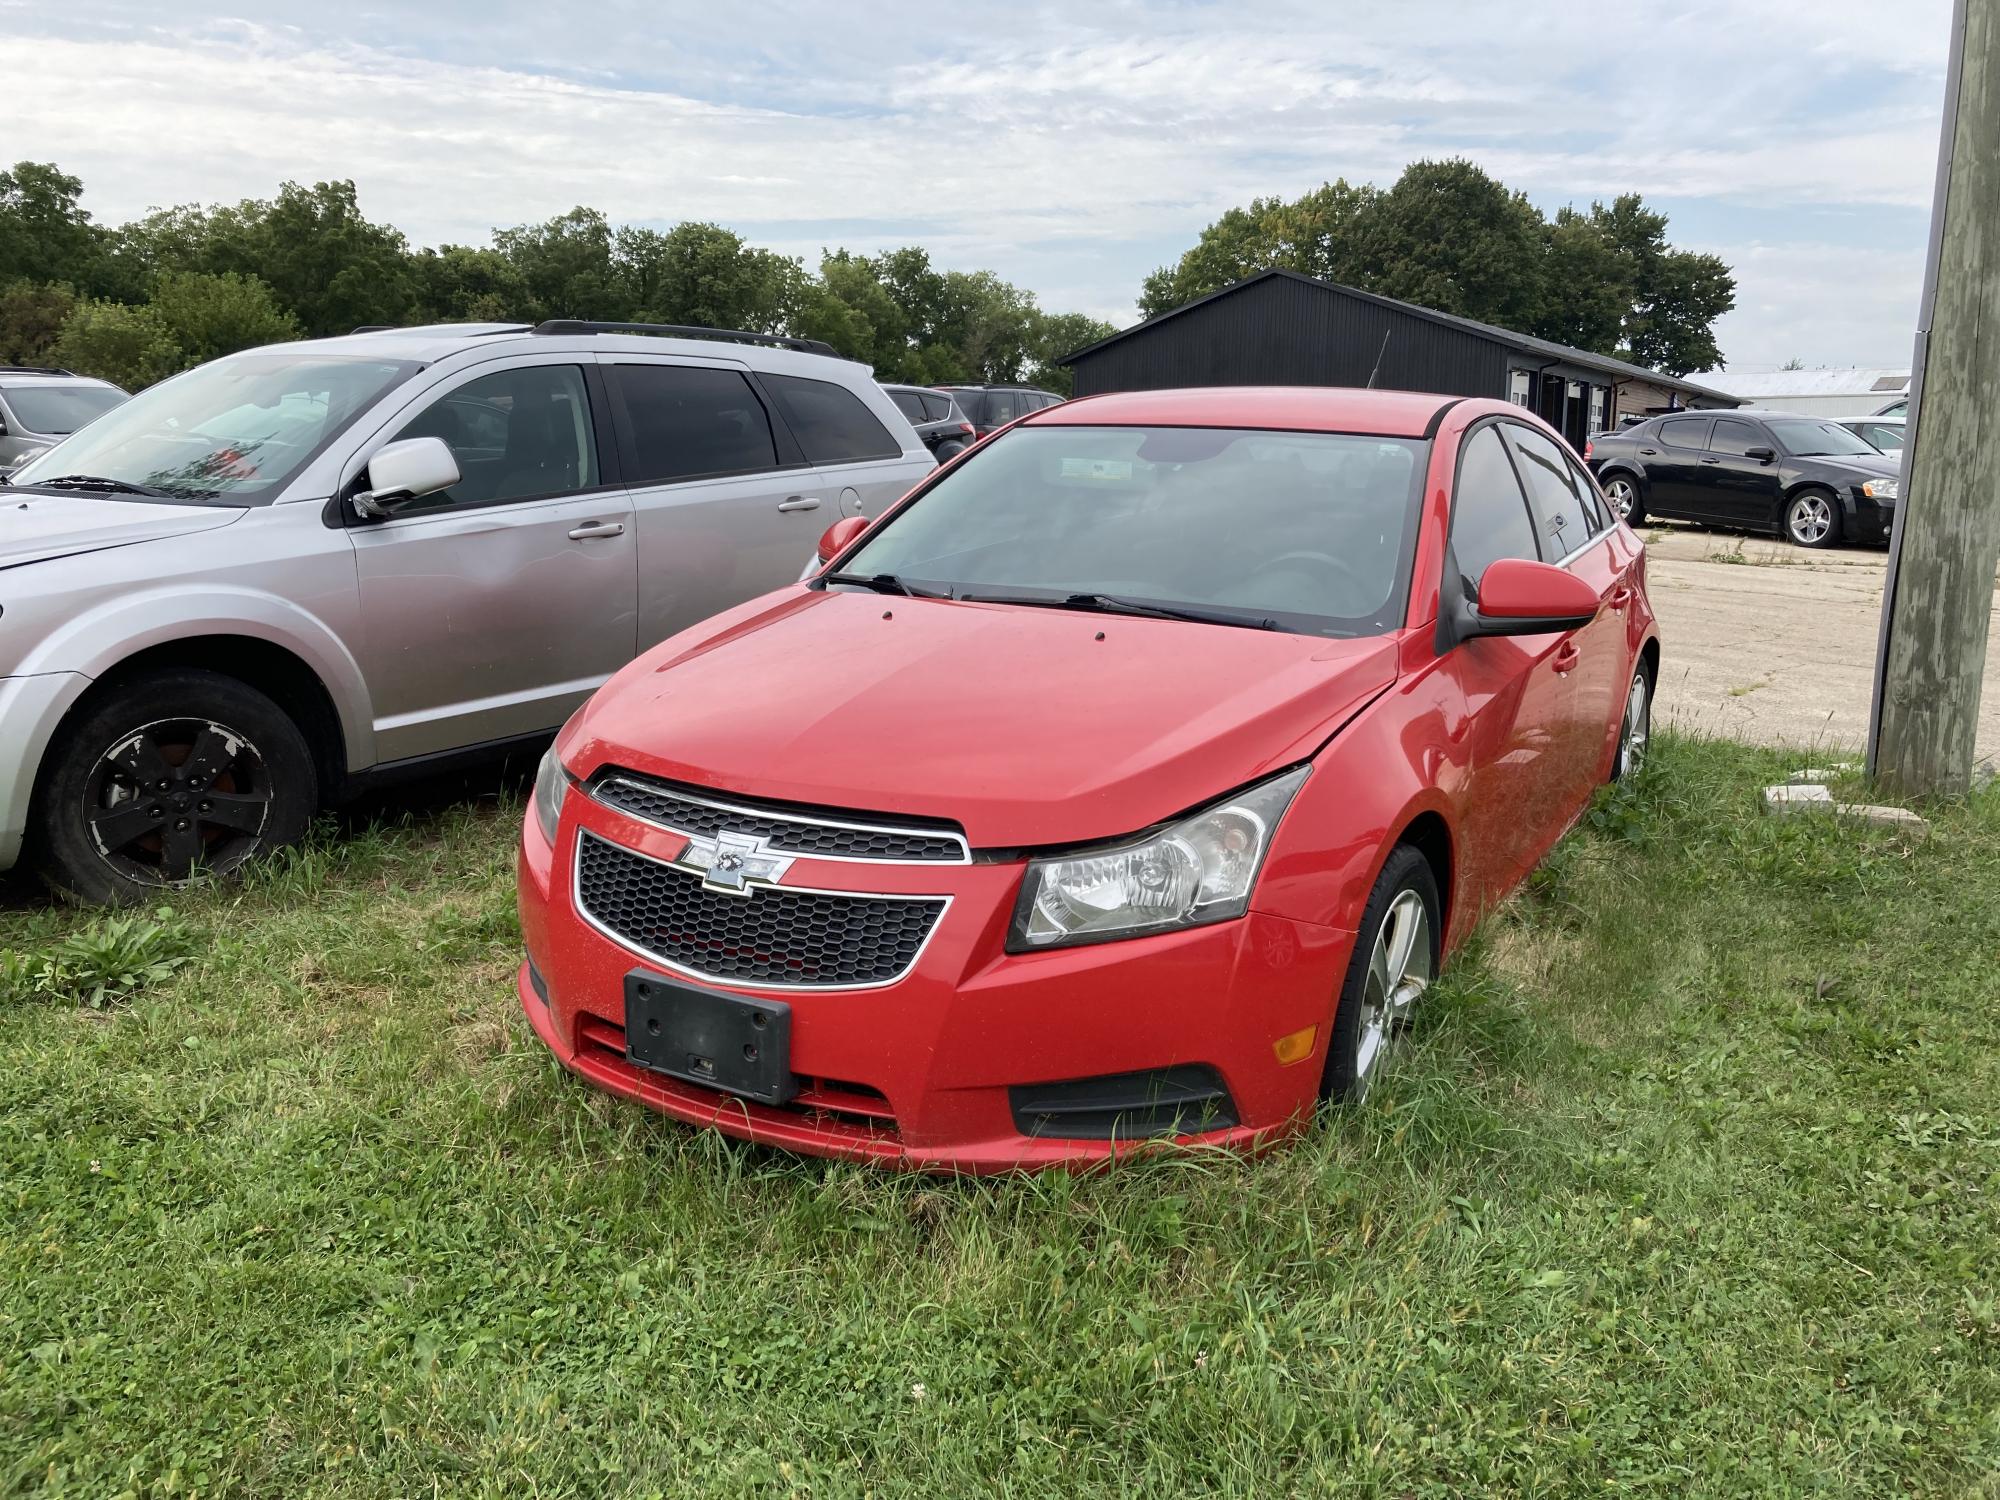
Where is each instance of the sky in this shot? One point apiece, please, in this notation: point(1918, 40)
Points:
point(1071, 148)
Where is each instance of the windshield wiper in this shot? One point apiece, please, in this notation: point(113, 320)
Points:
point(888, 583)
point(1115, 604)
point(94, 482)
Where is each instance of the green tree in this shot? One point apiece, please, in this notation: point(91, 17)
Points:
point(464, 284)
point(1449, 237)
point(32, 315)
point(210, 316)
point(44, 235)
point(1314, 235)
point(1586, 286)
point(1676, 294)
point(327, 264)
point(129, 346)
point(1058, 334)
point(704, 274)
point(564, 265)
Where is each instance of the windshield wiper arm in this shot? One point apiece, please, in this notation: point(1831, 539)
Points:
point(1114, 604)
point(94, 482)
point(888, 583)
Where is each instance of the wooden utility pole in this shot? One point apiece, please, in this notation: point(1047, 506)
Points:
point(1946, 544)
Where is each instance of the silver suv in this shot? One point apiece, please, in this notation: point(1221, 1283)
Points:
point(40, 407)
point(275, 579)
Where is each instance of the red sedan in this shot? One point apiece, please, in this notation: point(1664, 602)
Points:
point(1129, 780)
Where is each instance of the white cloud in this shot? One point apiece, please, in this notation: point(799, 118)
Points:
point(1070, 149)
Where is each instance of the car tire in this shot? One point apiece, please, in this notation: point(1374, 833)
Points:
point(1635, 728)
point(946, 452)
point(1401, 925)
point(1630, 507)
point(1812, 519)
point(165, 779)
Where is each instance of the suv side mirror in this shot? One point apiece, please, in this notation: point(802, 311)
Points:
point(1762, 455)
point(404, 471)
point(839, 536)
point(1519, 597)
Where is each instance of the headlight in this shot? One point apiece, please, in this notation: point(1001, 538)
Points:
point(1198, 870)
point(551, 785)
point(1882, 489)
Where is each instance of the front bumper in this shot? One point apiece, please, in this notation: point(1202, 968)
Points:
point(1868, 520)
point(922, 1072)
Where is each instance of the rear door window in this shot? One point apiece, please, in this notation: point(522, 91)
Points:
point(936, 407)
point(832, 424)
point(1561, 516)
point(1684, 432)
point(910, 404)
point(691, 422)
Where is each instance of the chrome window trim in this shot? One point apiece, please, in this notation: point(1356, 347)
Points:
point(847, 824)
point(943, 904)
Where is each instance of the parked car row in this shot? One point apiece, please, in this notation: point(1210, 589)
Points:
point(1809, 479)
point(1128, 777)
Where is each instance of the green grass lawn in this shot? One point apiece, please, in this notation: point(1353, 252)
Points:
point(1685, 1185)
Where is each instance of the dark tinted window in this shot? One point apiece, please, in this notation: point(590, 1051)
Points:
point(936, 407)
point(687, 421)
point(1554, 491)
point(1683, 432)
point(1593, 502)
point(832, 424)
point(1489, 514)
point(910, 404)
point(516, 435)
point(59, 410)
point(1003, 407)
point(1734, 437)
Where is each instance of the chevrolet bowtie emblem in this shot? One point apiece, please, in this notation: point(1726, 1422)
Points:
point(729, 862)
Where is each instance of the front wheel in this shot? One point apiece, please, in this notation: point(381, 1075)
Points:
point(1623, 494)
point(163, 780)
point(1396, 955)
point(1636, 728)
point(1812, 519)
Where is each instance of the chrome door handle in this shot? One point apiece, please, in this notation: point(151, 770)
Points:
point(799, 502)
point(591, 530)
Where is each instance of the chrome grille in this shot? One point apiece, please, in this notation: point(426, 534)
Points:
point(772, 936)
point(786, 832)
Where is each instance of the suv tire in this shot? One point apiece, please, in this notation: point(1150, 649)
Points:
point(166, 778)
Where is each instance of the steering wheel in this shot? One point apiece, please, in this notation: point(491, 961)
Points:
point(1349, 575)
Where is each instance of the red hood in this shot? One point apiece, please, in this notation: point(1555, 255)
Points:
point(1020, 724)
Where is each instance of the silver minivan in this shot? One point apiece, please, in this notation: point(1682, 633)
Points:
point(274, 580)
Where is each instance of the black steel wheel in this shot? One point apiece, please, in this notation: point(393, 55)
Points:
point(162, 781)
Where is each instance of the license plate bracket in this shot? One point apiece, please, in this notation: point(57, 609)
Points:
point(730, 1043)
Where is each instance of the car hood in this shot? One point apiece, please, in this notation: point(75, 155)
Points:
point(1025, 726)
point(1873, 465)
point(35, 526)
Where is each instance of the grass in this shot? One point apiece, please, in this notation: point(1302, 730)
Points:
point(1685, 1186)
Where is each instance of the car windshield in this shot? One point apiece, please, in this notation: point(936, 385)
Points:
point(58, 410)
point(1303, 531)
point(1802, 438)
point(234, 430)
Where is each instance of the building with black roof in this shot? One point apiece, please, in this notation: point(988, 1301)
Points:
point(1281, 328)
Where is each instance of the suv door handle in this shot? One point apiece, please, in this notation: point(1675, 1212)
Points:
point(1711, 460)
point(1621, 596)
point(799, 502)
point(591, 530)
point(1567, 656)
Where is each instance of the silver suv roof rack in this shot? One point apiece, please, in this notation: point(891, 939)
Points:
point(34, 370)
point(690, 331)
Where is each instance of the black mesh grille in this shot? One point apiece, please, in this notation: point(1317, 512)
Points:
point(772, 936)
point(672, 809)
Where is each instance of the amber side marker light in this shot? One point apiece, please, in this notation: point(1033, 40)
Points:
point(1295, 1048)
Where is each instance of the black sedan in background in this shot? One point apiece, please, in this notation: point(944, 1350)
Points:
point(1806, 478)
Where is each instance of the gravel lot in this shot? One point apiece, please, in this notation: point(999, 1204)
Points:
point(1768, 643)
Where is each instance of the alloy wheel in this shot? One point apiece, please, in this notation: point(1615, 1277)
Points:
point(1399, 968)
point(176, 797)
point(1810, 519)
point(1637, 728)
point(1619, 492)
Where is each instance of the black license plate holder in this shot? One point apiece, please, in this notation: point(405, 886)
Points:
point(730, 1043)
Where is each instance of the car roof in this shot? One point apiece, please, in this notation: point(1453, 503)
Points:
point(18, 375)
point(1296, 408)
point(430, 343)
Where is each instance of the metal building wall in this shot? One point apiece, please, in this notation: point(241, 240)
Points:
point(1285, 332)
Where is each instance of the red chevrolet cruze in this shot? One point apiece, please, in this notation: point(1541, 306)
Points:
point(1129, 779)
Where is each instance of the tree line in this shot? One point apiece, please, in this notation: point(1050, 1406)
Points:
point(1449, 237)
point(138, 301)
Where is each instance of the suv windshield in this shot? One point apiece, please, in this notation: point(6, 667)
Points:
point(1802, 438)
point(234, 430)
point(1310, 532)
point(58, 410)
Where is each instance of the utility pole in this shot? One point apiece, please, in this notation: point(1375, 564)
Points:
point(1938, 597)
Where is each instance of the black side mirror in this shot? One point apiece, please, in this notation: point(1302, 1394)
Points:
point(1762, 455)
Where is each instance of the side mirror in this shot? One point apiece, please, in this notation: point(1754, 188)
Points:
point(404, 471)
point(1519, 597)
point(1762, 455)
point(839, 536)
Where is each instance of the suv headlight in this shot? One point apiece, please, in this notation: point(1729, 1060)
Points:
point(1198, 870)
point(1882, 489)
point(551, 786)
